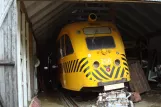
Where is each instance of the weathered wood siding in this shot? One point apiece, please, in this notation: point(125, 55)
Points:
point(25, 58)
point(8, 73)
point(4, 7)
point(32, 68)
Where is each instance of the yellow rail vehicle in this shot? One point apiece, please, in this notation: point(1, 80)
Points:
point(91, 54)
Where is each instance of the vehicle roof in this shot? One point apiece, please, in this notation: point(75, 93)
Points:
point(80, 25)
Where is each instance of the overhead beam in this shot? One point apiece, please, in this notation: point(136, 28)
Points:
point(45, 34)
point(154, 8)
point(128, 27)
point(139, 22)
point(154, 34)
point(128, 32)
point(146, 16)
point(64, 21)
point(131, 26)
point(45, 12)
point(51, 24)
point(36, 6)
point(58, 20)
point(51, 20)
point(73, 15)
point(51, 28)
point(82, 14)
point(90, 8)
point(128, 1)
point(28, 3)
point(50, 15)
point(44, 30)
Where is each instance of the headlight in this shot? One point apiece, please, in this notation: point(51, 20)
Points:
point(96, 64)
point(117, 62)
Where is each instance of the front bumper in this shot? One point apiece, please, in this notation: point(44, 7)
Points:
point(123, 80)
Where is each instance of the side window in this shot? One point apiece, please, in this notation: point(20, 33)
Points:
point(62, 47)
point(68, 45)
point(58, 49)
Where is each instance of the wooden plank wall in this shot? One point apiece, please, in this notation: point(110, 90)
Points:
point(8, 73)
point(27, 55)
point(138, 81)
point(31, 56)
point(5, 6)
point(16, 55)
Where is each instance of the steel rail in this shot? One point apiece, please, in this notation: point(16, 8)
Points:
point(67, 100)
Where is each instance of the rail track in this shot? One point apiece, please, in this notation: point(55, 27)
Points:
point(69, 101)
point(117, 98)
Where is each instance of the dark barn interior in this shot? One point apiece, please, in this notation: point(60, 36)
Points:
point(138, 23)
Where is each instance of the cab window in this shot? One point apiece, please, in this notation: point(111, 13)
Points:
point(62, 47)
point(68, 45)
point(103, 42)
point(58, 49)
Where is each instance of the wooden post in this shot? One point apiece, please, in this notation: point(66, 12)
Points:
point(23, 58)
point(28, 62)
point(19, 72)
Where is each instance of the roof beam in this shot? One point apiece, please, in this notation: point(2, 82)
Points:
point(44, 30)
point(28, 3)
point(81, 14)
point(154, 34)
point(51, 20)
point(154, 8)
point(131, 26)
point(90, 8)
point(50, 15)
point(73, 15)
point(76, 15)
point(143, 13)
point(88, 0)
point(35, 7)
point(117, 1)
point(45, 12)
point(65, 19)
point(134, 19)
point(45, 34)
point(128, 32)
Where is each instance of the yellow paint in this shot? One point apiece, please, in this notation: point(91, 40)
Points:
point(76, 80)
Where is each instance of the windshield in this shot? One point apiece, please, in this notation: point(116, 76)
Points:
point(94, 43)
